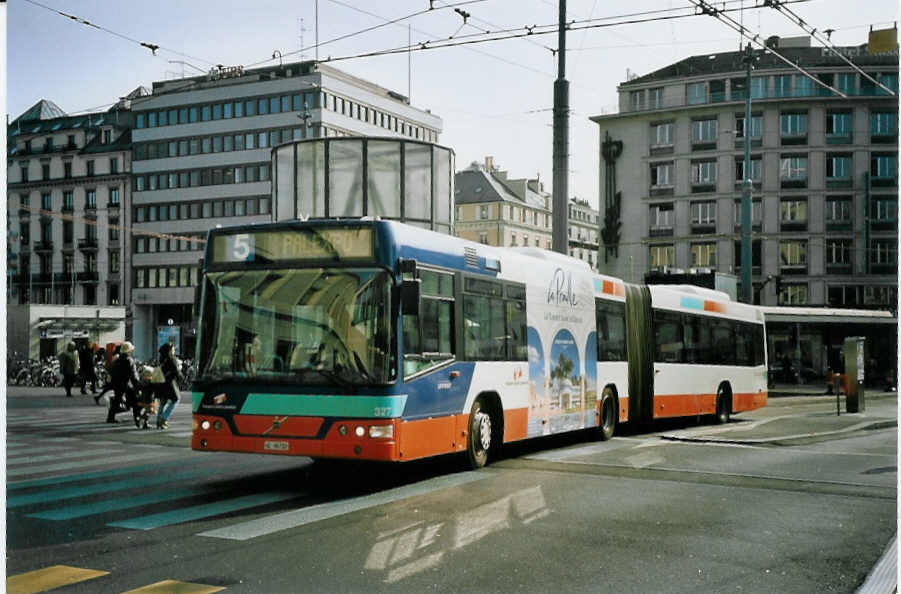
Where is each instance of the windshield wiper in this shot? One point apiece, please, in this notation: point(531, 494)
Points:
point(330, 375)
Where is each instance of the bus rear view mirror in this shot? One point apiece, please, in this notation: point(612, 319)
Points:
point(409, 297)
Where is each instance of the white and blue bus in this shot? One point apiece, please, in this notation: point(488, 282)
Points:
point(376, 340)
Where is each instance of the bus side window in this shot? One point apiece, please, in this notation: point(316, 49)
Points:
point(668, 336)
point(724, 343)
point(611, 321)
point(428, 338)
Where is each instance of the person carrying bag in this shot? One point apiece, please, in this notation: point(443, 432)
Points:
point(167, 391)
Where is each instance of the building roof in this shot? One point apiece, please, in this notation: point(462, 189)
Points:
point(42, 110)
point(476, 184)
point(806, 57)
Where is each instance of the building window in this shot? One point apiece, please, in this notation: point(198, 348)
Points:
point(483, 238)
point(838, 252)
point(23, 173)
point(883, 252)
point(803, 86)
point(838, 167)
point(485, 211)
point(704, 131)
point(838, 123)
point(113, 229)
point(655, 98)
point(696, 93)
point(661, 174)
point(114, 261)
point(661, 218)
point(885, 209)
point(838, 210)
point(884, 123)
point(90, 199)
point(793, 124)
point(756, 213)
point(636, 100)
point(68, 232)
point(884, 167)
point(756, 169)
point(703, 172)
point(46, 202)
point(662, 134)
point(782, 85)
point(756, 126)
point(703, 255)
point(45, 171)
point(847, 83)
point(756, 254)
point(703, 214)
point(90, 167)
point(793, 211)
point(513, 240)
point(793, 255)
point(793, 168)
point(662, 256)
point(793, 295)
point(68, 201)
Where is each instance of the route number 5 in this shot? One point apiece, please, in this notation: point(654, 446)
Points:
point(242, 247)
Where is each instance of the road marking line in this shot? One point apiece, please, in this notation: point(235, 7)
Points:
point(203, 511)
point(175, 587)
point(49, 578)
point(71, 512)
point(73, 492)
point(884, 576)
point(83, 476)
point(49, 458)
point(96, 461)
point(307, 515)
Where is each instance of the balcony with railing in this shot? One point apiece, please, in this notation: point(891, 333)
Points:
point(739, 95)
point(88, 244)
point(43, 245)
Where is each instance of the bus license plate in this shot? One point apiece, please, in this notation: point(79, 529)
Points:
point(278, 446)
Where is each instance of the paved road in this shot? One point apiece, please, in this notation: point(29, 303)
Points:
point(785, 499)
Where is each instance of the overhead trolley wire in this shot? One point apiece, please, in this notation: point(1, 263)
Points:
point(793, 17)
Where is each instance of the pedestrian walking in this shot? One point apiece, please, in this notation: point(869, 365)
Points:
point(108, 386)
point(125, 383)
point(68, 366)
point(86, 367)
point(167, 392)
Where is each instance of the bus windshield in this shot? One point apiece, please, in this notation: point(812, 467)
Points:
point(319, 326)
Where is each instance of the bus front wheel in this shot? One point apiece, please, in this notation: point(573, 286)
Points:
point(478, 443)
point(607, 424)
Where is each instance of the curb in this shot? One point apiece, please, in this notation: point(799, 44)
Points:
point(866, 426)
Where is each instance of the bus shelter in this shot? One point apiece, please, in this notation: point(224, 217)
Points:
point(804, 344)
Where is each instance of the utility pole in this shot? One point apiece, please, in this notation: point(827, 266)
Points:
point(746, 286)
point(561, 141)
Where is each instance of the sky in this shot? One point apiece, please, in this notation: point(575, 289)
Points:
point(494, 98)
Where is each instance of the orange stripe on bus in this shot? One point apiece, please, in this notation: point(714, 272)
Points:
point(608, 287)
point(516, 424)
point(619, 290)
point(714, 306)
point(429, 437)
point(683, 405)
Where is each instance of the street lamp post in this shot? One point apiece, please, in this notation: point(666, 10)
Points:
point(746, 289)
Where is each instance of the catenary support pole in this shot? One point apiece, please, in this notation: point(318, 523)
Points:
point(561, 142)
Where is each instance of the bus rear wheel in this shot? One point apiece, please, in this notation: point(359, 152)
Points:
point(723, 405)
point(479, 442)
point(607, 424)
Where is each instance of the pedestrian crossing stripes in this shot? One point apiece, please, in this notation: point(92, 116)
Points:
point(49, 578)
point(57, 576)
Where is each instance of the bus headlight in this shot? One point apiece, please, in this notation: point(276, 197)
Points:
point(381, 431)
point(359, 431)
point(205, 425)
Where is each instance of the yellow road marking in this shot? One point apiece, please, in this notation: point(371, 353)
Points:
point(49, 578)
point(175, 587)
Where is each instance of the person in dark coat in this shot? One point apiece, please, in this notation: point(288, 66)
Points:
point(108, 386)
point(167, 392)
point(125, 382)
point(68, 366)
point(86, 366)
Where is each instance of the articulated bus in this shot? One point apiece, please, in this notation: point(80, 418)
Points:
point(375, 340)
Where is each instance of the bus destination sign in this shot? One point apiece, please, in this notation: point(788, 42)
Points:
point(336, 244)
